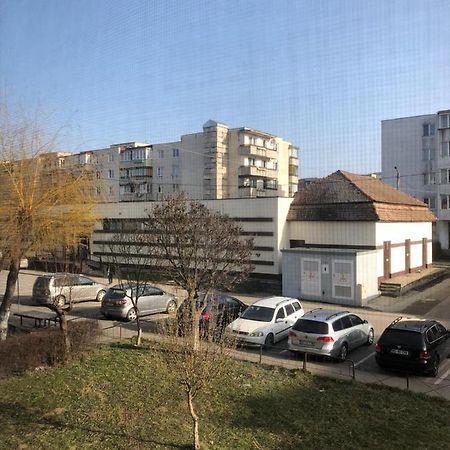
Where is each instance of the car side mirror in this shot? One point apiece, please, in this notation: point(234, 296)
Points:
point(365, 321)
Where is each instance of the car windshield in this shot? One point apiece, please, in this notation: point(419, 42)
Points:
point(402, 337)
point(115, 292)
point(258, 313)
point(311, 326)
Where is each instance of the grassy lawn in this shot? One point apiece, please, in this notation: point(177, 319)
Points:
point(118, 398)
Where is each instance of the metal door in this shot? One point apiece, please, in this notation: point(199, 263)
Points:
point(342, 279)
point(310, 277)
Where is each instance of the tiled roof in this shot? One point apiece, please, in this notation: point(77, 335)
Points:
point(343, 196)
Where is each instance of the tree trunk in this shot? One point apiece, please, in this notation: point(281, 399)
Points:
point(195, 316)
point(5, 307)
point(139, 330)
point(65, 332)
point(195, 433)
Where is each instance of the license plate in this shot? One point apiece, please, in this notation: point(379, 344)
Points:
point(305, 343)
point(399, 352)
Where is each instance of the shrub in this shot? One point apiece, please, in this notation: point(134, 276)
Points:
point(45, 347)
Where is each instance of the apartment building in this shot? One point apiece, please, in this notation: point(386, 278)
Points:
point(216, 163)
point(415, 155)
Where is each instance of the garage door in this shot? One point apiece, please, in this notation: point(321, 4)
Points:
point(343, 279)
point(310, 277)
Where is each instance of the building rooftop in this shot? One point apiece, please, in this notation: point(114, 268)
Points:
point(343, 196)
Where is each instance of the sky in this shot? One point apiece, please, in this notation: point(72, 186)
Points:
point(321, 74)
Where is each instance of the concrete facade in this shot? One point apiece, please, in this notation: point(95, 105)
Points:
point(263, 219)
point(420, 149)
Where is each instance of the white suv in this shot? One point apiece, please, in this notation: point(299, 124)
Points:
point(330, 333)
point(266, 321)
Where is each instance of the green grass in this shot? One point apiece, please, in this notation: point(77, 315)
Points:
point(118, 398)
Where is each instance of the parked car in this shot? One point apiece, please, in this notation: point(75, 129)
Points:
point(218, 310)
point(60, 288)
point(330, 333)
point(266, 321)
point(117, 301)
point(413, 345)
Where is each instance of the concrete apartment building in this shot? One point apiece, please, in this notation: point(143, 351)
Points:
point(216, 163)
point(415, 153)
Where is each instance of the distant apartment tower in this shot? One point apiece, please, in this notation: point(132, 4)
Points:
point(216, 163)
point(415, 156)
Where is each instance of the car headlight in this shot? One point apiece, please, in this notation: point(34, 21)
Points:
point(257, 334)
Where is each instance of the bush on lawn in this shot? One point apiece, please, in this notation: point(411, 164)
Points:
point(44, 347)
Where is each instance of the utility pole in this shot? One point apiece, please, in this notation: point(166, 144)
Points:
point(397, 176)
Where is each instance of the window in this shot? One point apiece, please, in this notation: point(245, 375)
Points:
point(429, 178)
point(160, 154)
point(85, 281)
point(428, 129)
point(175, 171)
point(338, 325)
point(346, 323)
point(428, 154)
point(445, 202)
point(160, 172)
point(175, 187)
point(445, 149)
point(296, 305)
point(280, 314)
point(430, 201)
point(110, 157)
point(176, 152)
point(110, 173)
point(289, 309)
point(445, 176)
point(111, 190)
point(356, 320)
point(444, 120)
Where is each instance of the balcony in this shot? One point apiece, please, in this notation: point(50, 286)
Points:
point(255, 150)
point(248, 191)
point(293, 179)
point(293, 161)
point(253, 171)
point(136, 197)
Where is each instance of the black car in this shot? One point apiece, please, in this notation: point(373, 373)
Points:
point(218, 310)
point(417, 345)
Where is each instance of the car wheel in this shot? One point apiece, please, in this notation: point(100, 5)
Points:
point(171, 307)
point(100, 295)
point(268, 343)
point(60, 301)
point(131, 315)
point(435, 369)
point(370, 337)
point(343, 352)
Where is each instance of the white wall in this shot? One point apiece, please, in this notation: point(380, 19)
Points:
point(342, 233)
point(366, 267)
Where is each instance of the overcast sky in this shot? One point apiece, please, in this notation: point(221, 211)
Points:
point(321, 74)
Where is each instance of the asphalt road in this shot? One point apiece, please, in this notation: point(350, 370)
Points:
point(431, 302)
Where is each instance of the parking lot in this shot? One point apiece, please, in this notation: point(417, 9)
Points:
point(360, 363)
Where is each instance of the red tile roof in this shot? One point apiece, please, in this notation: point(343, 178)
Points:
point(343, 196)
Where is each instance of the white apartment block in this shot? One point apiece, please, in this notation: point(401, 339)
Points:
point(216, 163)
point(415, 155)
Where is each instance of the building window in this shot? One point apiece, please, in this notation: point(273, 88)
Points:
point(175, 171)
point(111, 190)
point(160, 172)
point(110, 157)
point(110, 174)
point(428, 129)
point(160, 154)
point(176, 152)
point(176, 187)
point(429, 178)
point(98, 175)
point(444, 120)
point(430, 201)
point(428, 154)
point(445, 202)
point(445, 149)
point(445, 176)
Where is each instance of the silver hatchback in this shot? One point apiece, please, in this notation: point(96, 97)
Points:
point(330, 333)
point(62, 288)
point(117, 301)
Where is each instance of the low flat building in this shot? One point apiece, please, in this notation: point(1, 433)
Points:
point(348, 233)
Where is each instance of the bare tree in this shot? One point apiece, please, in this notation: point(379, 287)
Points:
point(43, 206)
point(201, 250)
point(131, 256)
